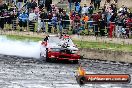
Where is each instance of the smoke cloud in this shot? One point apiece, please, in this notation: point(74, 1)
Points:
point(19, 48)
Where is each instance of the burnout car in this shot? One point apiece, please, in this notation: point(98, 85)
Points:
point(59, 48)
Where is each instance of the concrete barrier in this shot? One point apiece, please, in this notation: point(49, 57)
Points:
point(107, 55)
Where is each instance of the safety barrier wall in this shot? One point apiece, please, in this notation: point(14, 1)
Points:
point(108, 55)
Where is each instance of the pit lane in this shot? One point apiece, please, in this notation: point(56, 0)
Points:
point(19, 72)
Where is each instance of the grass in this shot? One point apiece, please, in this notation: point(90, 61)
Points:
point(23, 38)
point(103, 45)
point(81, 44)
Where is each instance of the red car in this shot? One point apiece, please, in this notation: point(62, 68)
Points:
point(61, 54)
point(56, 48)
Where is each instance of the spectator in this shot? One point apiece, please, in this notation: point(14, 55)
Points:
point(90, 9)
point(114, 8)
point(33, 4)
point(96, 17)
point(32, 18)
point(65, 19)
point(27, 5)
point(119, 26)
point(102, 25)
point(49, 21)
point(54, 22)
point(10, 18)
point(78, 17)
point(60, 22)
point(70, 4)
point(48, 4)
point(78, 7)
point(43, 16)
point(113, 17)
point(5, 13)
point(85, 20)
point(23, 20)
point(13, 15)
point(84, 9)
point(52, 9)
point(2, 19)
point(97, 4)
point(76, 23)
point(72, 15)
point(19, 4)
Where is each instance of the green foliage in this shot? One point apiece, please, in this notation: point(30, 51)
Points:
point(104, 45)
point(24, 38)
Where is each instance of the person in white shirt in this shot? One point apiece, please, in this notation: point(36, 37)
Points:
point(32, 18)
point(85, 9)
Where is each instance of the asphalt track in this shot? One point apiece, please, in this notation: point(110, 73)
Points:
point(19, 72)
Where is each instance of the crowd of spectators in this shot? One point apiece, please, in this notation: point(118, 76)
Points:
point(108, 20)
